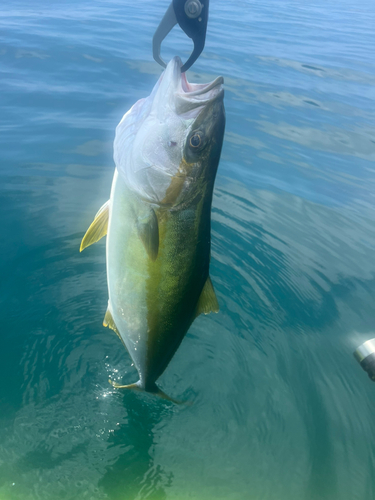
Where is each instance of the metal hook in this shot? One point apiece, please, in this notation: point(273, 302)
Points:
point(192, 17)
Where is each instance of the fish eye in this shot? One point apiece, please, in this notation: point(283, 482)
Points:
point(196, 140)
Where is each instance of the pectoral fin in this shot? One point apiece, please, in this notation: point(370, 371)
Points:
point(148, 231)
point(207, 301)
point(98, 227)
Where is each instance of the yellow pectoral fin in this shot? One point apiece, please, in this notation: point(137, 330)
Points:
point(207, 301)
point(98, 227)
point(148, 231)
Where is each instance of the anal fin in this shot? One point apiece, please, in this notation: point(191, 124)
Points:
point(109, 322)
point(207, 301)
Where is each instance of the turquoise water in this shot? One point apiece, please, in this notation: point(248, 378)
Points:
point(281, 410)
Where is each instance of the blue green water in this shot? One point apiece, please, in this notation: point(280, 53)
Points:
point(281, 410)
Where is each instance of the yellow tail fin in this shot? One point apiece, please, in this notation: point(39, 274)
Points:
point(155, 390)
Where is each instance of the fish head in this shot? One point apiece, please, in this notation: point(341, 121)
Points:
point(170, 141)
point(204, 141)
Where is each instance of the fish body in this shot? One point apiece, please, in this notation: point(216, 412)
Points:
point(158, 219)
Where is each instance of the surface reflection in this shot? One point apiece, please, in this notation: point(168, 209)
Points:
point(134, 474)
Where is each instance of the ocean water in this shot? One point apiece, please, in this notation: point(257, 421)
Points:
point(280, 409)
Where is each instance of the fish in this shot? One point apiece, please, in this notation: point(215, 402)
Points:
point(157, 220)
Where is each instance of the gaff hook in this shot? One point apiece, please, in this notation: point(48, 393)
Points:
point(192, 17)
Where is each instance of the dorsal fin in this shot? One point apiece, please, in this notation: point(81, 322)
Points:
point(98, 227)
point(148, 231)
point(207, 301)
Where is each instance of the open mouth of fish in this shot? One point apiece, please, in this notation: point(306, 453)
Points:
point(190, 97)
point(206, 91)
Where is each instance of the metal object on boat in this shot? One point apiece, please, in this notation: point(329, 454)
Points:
point(365, 355)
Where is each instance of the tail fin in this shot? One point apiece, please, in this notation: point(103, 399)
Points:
point(153, 390)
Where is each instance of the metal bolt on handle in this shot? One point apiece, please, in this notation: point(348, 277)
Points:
point(193, 8)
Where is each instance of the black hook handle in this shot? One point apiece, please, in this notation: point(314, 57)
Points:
point(192, 17)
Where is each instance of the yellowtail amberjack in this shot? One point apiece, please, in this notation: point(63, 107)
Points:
point(158, 219)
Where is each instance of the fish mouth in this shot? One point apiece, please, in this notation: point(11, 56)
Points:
point(206, 90)
point(191, 97)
